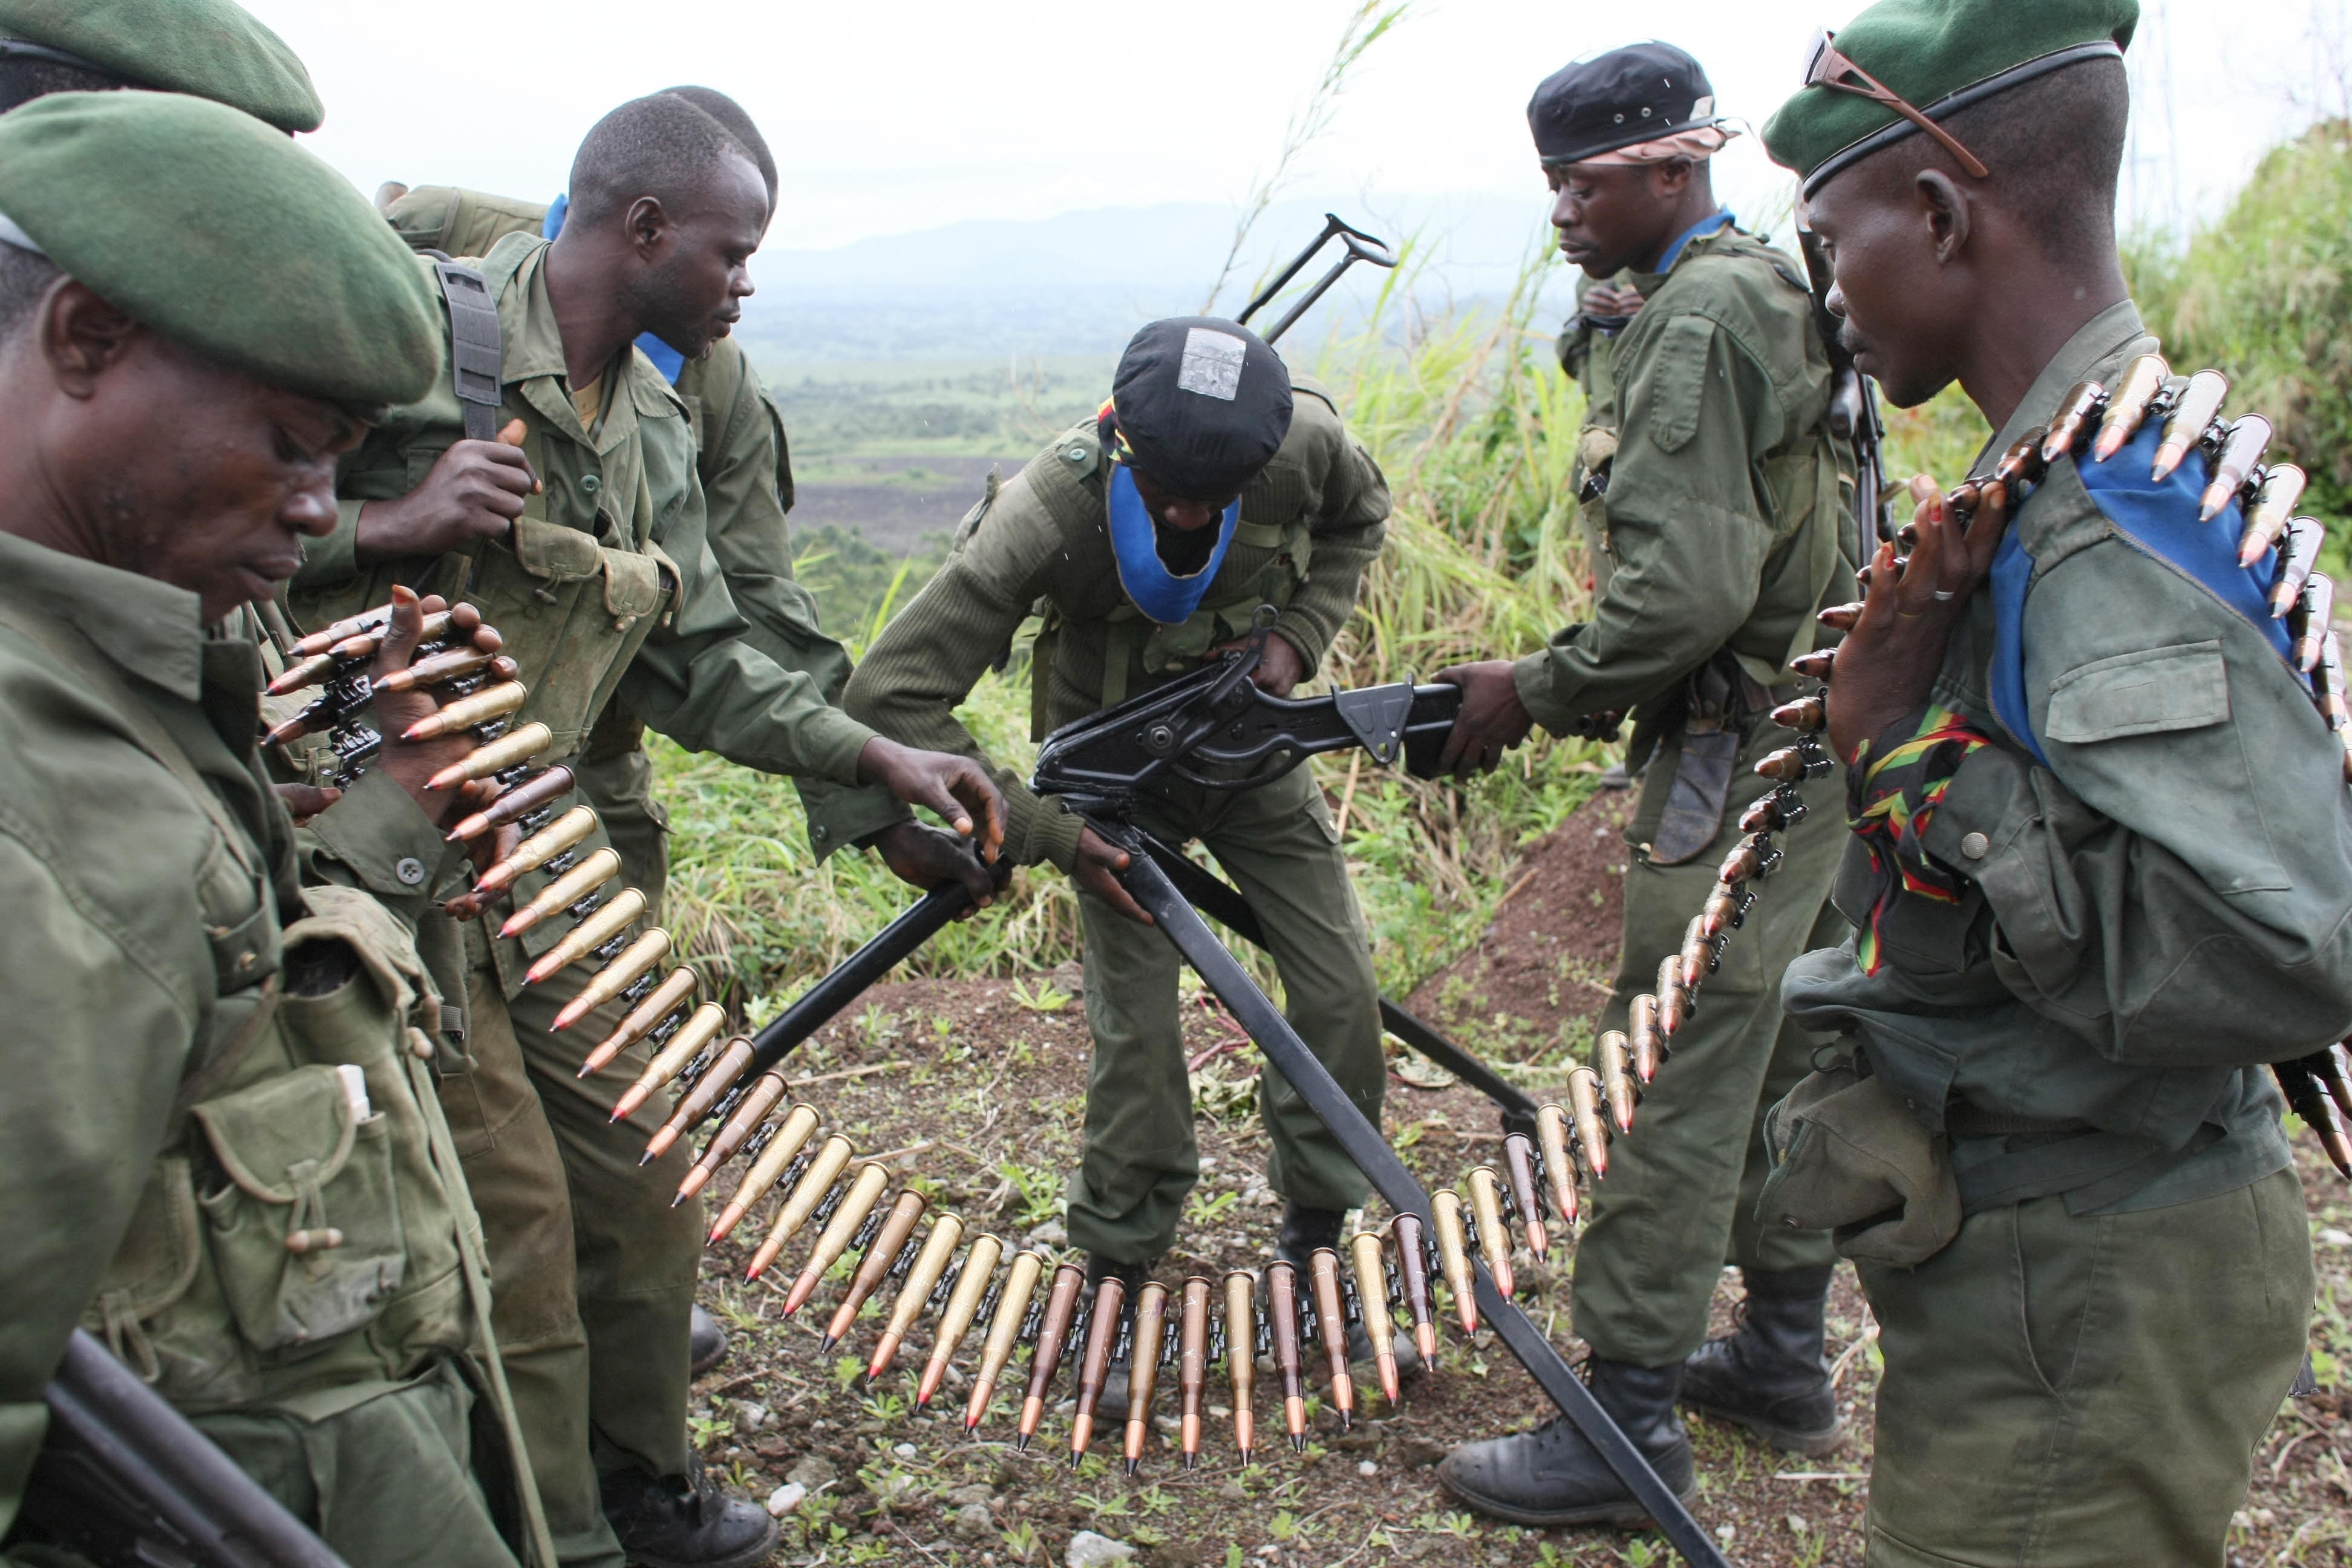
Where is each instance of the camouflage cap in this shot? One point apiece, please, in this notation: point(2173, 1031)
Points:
point(207, 48)
point(226, 237)
point(1939, 56)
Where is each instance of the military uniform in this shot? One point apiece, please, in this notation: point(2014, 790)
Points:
point(2131, 890)
point(1309, 524)
point(607, 588)
point(203, 1058)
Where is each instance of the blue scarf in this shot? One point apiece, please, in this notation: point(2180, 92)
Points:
point(1157, 591)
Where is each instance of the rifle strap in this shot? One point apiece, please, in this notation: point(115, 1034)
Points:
point(475, 346)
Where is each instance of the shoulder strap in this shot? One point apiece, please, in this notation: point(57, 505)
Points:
point(476, 348)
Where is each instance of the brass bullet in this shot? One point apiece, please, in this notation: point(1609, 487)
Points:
point(1373, 1296)
point(2242, 451)
point(676, 989)
point(1143, 1368)
point(1094, 1361)
point(1331, 1322)
point(956, 1318)
point(2184, 426)
point(366, 642)
point(1282, 1317)
point(724, 1071)
point(2315, 607)
point(455, 664)
point(1453, 1255)
point(491, 702)
point(1519, 1170)
point(929, 1265)
point(1617, 1080)
point(2304, 536)
point(2127, 405)
point(1493, 1236)
point(1765, 814)
point(865, 1190)
point(1193, 1365)
point(1806, 714)
point(303, 672)
point(1003, 1333)
point(1061, 1310)
point(609, 921)
point(519, 802)
point(2267, 514)
point(2335, 1072)
point(1413, 1272)
point(519, 744)
point(1241, 1353)
point(680, 1048)
point(2329, 679)
point(767, 1091)
point(2081, 404)
point(1721, 912)
point(633, 964)
point(1643, 1041)
point(792, 1133)
point(1673, 997)
point(807, 1195)
point(1695, 961)
point(1551, 1137)
point(1745, 862)
point(328, 636)
point(565, 892)
point(898, 1226)
point(538, 848)
point(1591, 1134)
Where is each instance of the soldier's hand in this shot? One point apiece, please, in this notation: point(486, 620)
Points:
point(926, 856)
point(1612, 300)
point(304, 801)
point(1493, 720)
point(956, 787)
point(1099, 863)
point(1886, 666)
point(410, 763)
point(475, 490)
point(1279, 669)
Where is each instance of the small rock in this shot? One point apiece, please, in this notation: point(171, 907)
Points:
point(1725, 1531)
point(979, 1491)
point(749, 1416)
point(787, 1498)
point(1088, 1549)
point(2265, 1518)
point(2242, 1520)
point(868, 1428)
point(1797, 1525)
point(1052, 1232)
point(973, 1521)
point(1368, 1469)
point(2335, 1237)
point(1231, 1492)
point(772, 1449)
point(814, 1472)
point(905, 1450)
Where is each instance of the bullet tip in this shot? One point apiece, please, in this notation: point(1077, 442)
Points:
point(647, 1158)
point(1191, 1461)
point(1132, 1467)
point(1020, 1442)
point(1075, 1456)
point(1298, 1443)
point(1245, 1459)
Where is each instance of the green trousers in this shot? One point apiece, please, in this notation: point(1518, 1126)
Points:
point(385, 1483)
point(592, 1272)
point(1679, 1201)
point(2064, 1390)
point(1280, 846)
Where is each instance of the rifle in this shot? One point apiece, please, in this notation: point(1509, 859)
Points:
point(1853, 402)
point(124, 1479)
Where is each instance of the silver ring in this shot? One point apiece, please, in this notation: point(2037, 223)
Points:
point(1942, 596)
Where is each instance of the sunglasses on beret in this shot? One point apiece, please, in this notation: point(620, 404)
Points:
point(1829, 69)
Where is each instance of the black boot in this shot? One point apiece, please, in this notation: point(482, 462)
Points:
point(1304, 1230)
point(1112, 1405)
point(1552, 1476)
point(1771, 1375)
point(706, 1343)
point(686, 1521)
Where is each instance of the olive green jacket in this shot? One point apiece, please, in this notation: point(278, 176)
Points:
point(171, 1108)
point(2166, 904)
point(1715, 511)
point(1040, 544)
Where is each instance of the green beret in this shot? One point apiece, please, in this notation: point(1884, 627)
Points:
point(207, 48)
point(224, 236)
point(1940, 57)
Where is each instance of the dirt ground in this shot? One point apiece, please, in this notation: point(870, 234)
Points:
point(974, 1092)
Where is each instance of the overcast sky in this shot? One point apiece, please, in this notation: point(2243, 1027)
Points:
point(897, 117)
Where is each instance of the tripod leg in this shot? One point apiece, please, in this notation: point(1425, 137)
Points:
point(1288, 1055)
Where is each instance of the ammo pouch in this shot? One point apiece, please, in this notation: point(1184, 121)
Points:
point(1720, 702)
point(1849, 1159)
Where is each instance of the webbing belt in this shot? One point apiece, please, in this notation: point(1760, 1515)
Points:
point(473, 346)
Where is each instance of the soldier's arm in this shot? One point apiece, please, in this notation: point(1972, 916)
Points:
point(1689, 525)
point(927, 660)
point(98, 1034)
point(2176, 888)
point(1349, 529)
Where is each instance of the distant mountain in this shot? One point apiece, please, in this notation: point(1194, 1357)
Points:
point(1080, 283)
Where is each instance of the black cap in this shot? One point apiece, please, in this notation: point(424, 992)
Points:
point(1202, 404)
point(1634, 94)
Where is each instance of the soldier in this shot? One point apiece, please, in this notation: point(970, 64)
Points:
point(1716, 519)
point(745, 467)
point(590, 540)
point(2119, 884)
point(1150, 535)
point(210, 48)
point(219, 1147)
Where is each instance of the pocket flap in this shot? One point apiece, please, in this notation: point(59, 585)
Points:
point(261, 1134)
point(552, 550)
point(633, 584)
point(1679, 383)
point(2185, 686)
